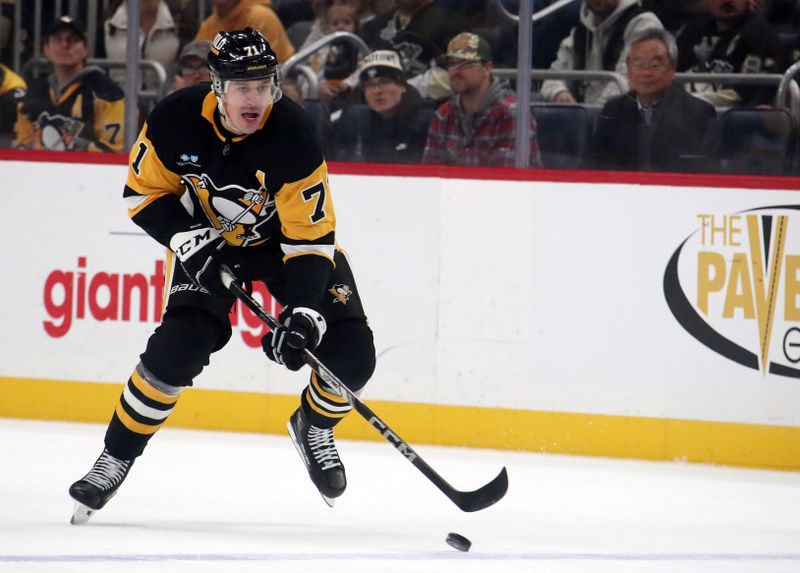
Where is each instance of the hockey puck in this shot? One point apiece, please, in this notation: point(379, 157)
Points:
point(458, 541)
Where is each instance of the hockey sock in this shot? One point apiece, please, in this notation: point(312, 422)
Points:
point(322, 405)
point(143, 407)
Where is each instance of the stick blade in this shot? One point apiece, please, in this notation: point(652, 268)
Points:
point(485, 496)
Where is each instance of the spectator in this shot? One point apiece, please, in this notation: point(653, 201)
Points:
point(731, 38)
point(418, 30)
point(75, 108)
point(657, 126)
point(12, 90)
point(596, 43)
point(192, 65)
point(230, 15)
point(158, 37)
point(337, 61)
point(320, 26)
point(395, 125)
point(476, 126)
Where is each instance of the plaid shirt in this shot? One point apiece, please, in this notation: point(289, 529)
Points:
point(490, 142)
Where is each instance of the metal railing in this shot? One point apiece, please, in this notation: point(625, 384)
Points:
point(295, 63)
point(569, 75)
point(313, 47)
point(37, 67)
point(787, 97)
point(544, 12)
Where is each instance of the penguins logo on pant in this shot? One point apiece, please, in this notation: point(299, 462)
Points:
point(341, 293)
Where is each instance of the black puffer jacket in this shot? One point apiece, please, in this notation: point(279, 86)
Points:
point(363, 135)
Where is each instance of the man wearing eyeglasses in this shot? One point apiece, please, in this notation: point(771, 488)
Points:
point(192, 65)
point(657, 126)
point(475, 127)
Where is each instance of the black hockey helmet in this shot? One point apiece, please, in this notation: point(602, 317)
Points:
point(241, 55)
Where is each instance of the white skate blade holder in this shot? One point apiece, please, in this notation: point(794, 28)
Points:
point(81, 514)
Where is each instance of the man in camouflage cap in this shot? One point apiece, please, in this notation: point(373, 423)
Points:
point(476, 126)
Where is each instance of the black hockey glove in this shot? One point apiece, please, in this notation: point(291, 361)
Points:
point(302, 328)
point(198, 251)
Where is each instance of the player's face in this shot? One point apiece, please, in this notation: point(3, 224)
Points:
point(383, 94)
point(650, 71)
point(246, 102)
point(65, 48)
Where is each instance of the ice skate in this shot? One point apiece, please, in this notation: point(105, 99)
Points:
point(93, 490)
point(316, 448)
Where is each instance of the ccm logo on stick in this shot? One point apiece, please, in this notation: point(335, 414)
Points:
point(401, 446)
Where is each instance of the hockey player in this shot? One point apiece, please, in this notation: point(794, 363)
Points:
point(77, 107)
point(232, 174)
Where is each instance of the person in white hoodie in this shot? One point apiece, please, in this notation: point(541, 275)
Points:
point(158, 37)
point(597, 43)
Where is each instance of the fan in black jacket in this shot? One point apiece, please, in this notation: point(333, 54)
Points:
point(393, 126)
point(657, 126)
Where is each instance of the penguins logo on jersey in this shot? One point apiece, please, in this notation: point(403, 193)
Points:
point(341, 293)
point(234, 210)
point(57, 132)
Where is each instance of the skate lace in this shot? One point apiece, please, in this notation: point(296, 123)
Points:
point(107, 472)
point(320, 441)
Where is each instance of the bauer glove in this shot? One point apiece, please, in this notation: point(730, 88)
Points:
point(302, 328)
point(199, 252)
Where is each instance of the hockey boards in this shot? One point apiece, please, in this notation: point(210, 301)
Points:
point(476, 500)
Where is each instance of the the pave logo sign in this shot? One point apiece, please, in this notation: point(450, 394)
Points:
point(734, 284)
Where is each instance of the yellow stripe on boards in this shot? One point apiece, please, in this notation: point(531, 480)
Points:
point(726, 443)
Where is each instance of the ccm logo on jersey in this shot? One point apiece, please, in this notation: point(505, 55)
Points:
point(187, 243)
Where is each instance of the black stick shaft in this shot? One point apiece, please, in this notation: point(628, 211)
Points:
point(476, 500)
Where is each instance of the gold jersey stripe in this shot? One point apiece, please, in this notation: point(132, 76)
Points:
point(303, 254)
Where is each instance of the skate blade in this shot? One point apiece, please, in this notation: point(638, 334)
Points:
point(328, 500)
point(81, 514)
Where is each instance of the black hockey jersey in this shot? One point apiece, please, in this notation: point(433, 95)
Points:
point(87, 114)
point(12, 90)
point(749, 47)
point(265, 190)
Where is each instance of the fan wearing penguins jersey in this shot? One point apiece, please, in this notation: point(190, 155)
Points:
point(232, 174)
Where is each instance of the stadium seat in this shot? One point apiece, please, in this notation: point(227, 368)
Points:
point(756, 141)
point(563, 132)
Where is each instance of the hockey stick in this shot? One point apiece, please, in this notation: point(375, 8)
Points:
point(476, 500)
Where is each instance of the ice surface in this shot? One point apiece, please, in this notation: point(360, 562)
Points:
point(218, 502)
